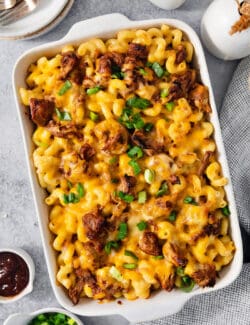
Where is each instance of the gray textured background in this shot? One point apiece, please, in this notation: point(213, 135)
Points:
point(18, 224)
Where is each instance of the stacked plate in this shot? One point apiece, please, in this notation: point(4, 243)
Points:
point(46, 16)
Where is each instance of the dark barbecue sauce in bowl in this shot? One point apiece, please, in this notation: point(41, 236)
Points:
point(14, 274)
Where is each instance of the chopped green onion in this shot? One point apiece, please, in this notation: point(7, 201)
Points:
point(122, 231)
point(118, 75)
point(63, 116)
point(170, 106)
point(130, 120)
point(111, 244)
point(187, 284)
point(130, 266)
point(135, 166)
point(142, 225)
point(149, 64)
point(80, 190)
point(148, 127)
point(163, 190)
point(180, 271)
point(225, 211)
point(113, 160)
point(172, 216)
point(138, 102)
point(94, 90)
point(189, 200)
point(116, 72)
point(125, 197)
point(142, 197)
point(114, 180)
point(137, 121)
point(159, 257)
point(70, 198)
point(135, 152)
point(149, 176)
point(164, 93)
point(131, 254)
point(116, 274)
point(93, 116)
point(159, 71)
point(143, 72)
point(52, 319)
point(65, 87)
point(73, 198)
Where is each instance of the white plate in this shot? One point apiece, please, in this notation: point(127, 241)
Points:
point(45, 13)
point(161, 303)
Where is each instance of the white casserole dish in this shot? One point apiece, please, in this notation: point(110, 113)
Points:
point(161, 303)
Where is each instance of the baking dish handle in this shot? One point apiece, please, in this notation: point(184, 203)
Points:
point(92, 27)
point(163, 309)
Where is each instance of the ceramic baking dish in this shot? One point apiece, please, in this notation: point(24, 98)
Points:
point(161, 303)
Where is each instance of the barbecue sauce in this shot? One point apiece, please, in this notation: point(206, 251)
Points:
point(14, 274)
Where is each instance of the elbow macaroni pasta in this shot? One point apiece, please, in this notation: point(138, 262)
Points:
point(184, 203)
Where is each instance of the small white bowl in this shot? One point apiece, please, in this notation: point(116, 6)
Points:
point(168, 4)
point(24, 319)
point(28, 260)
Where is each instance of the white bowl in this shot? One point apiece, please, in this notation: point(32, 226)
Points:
point(168, 4)
point(161, 303)
point(28, 260)
point(24, 319)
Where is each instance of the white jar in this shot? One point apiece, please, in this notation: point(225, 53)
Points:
point(168, 4)
point(216, 24)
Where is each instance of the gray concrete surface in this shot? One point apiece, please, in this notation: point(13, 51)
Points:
point(18, 222)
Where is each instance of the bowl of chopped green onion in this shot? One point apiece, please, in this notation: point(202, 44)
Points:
point(47, 316)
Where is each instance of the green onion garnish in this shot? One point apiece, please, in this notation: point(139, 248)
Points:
point(94, 90)
point(116, 274)
point(138, 102)
point(142, 225)
point(65, 87)
point(149, 176)
point(131, 254)
point(170, 106)
point(52, 319)
point(80, 190)
point(163, 190)
point(70, 198)
point(130, 266)
point(143, 72)
point(189, 200)
point(122, 231)
point(135, 166)
point(159, 257)
point(225, 211)
point(187, 283)
point(159, 71)
point(63, 116)
point(113, 160)
point(172, 216)
point(148, 127)
point(142, 197)
point(164, 93)
point(130, 120)
point(111, 244)
point(135, 152)
point(114, 180)
point(93, 116)
point(125, 197)
point(180, 271)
